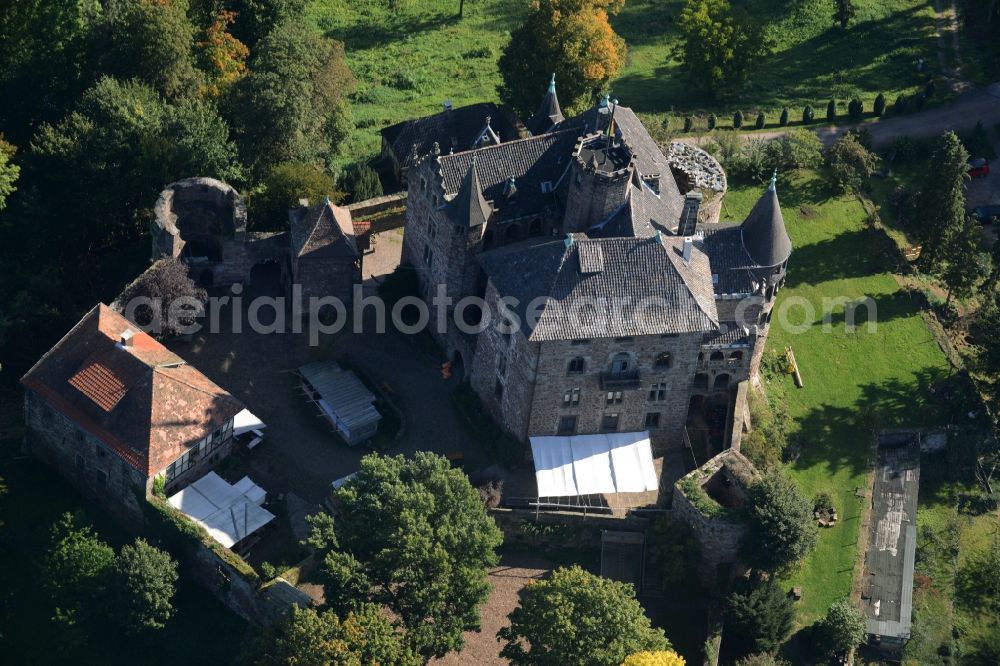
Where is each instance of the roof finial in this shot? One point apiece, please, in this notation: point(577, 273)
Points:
point(552, 83)
point(774, 181)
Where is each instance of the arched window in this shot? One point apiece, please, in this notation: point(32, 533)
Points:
point(663, 360)
point(576, 365)
point(736, 356)
point(701, 356)
point(717, 356)
point(721, 382)
point(701, 381)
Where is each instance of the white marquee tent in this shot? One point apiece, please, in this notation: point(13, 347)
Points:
point(606, 463)
point(230, 513)
point(246, 421)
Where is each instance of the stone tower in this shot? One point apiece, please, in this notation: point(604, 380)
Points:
point(600, 172)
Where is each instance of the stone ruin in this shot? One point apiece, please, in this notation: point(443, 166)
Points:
point(695, 169)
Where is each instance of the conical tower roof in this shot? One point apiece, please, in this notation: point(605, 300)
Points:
point(764, 235)
point(469, 207)
point(548, 113)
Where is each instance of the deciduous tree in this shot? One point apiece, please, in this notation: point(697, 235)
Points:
point(416, 536)
point(850, 163)
point(166, 282)
point(720, 48)
point(284, 186)
point(781, 526)
point(224, 58)
point(571, 38)
point(9, 172)
point(658, 658)
point(575, 617)
point(141, 585)
point(841, 630)
point(75, 564)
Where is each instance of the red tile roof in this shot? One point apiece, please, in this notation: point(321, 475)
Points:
point(142, 400)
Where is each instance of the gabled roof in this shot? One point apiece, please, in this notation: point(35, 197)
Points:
point(763, 232)
point(322, 231)
point(613, 296)
point(454, 130)
point(645, 213)
point(143, 401)
point(548, 114)
point(469, 207)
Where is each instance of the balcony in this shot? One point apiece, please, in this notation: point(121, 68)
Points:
point(620, 380)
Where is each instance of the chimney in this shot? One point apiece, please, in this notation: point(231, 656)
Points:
point(688, 246)
point(127, 338)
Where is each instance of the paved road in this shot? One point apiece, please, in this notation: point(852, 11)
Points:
point(981, 104)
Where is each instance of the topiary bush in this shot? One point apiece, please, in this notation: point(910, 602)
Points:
point(855, 109)
point(831, 111)
point(808, 114)
point(688, 123)
point(879, 107)
point(738, 120)
point(761, 121)
point(783, 119)
point(901, 105)
point(712, 121)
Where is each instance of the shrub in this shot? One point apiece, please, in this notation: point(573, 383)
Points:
point(688, 123)
point(904, 148)
point(879, 107)
point(362, 182)
point(712, 121)
point(738, 120)
point(831, 111)
point(761, 121)
point(268, 571)
point(808, 114)
point(781, 526)
point(901, 105)
point(823, 501)
point(783, 118)
point(856, 109)
point(851, 164)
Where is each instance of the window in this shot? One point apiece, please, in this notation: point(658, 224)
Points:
point(614, 398)
point(736, 356)
point(567, 425)
point(571, 397)
point(580, 341)
point(576, 365)
point(609, 423)
point(717, 356)
point(100, 451)
point(546, 186)
point(664, 360)
point(653, 420)
point(505, 340)
point(171, 471)
point(435, 201)
point(102, 478)
point(428, 255)
point(620, 364)
point(658, 392)
point(423, 184)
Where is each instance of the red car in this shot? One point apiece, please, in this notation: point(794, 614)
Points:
point(979, 168)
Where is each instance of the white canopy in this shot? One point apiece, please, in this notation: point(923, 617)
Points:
point(245, 421)
point(229, 513)
point(606, 463)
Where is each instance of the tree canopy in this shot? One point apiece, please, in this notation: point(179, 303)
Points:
point(413, 535)
point(781, 526)
point(720, 47)
point(575, 617)
point(759, 616)
point(141, 584)
point(571, 38)
point(940, 204)
point(841, 629)
point(850, 162)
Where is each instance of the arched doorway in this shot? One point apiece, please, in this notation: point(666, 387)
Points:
point(701, 381)
point(721, 382)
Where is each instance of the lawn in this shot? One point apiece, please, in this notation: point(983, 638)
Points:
point(854, 382)
point(408, 63)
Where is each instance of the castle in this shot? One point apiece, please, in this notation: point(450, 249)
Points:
point(587, 220)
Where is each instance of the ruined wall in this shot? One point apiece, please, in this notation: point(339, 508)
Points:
point(719, 540)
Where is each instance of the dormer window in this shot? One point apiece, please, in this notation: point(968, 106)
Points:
point(546, 186)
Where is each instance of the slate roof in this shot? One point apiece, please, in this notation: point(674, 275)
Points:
point(469, 206)
point(723, 243)
point(323, 231)
point(453, 130)
point(646, 213)
point(144, 402)
point(531, 161)
point(549, 114)
point(604, 303)
point(764, 234)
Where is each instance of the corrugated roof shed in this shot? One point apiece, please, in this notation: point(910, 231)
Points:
point(343, 392)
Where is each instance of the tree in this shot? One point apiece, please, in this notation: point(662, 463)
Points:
point(808, 114)
point(940, 203)
point(9, 172)
point(362, 182)
point(879, 107)
point(224, 58)
point(855, 109)
point(571, 38)
point(850, 163)
point(688, 123)
point(761, 121)
point(75, 564)
point(831, 111)
point(763, 659)
point(781, 527)
point(783, 118)
point(845, 11)
point(660, 658)
point(738, 119)
point(799, 149)
point(712, 121)
point(141, 585)
point(962, 269)
point(978, 584)
point(306, 637)
point(985, 649)
point(575, 617)
point(284, 186)
point(759, 616)
point(292, 106)
point(164, 283)
point(415, 537)
point(841, 630)
point(153, 41)
point(255, 19)
point(720, 48)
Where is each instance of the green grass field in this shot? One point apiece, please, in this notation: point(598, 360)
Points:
point(408, 63)
point(854, 382)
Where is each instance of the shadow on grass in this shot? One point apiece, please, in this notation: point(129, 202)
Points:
point(372, 34)
point(843, 257)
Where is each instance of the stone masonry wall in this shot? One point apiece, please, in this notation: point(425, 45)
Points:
point(719, 540)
